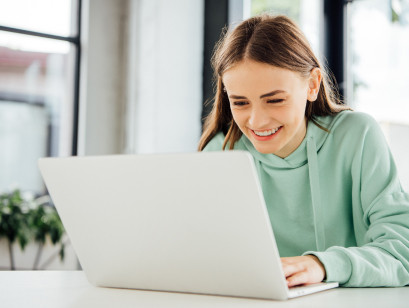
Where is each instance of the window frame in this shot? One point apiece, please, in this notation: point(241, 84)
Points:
point(76, 41)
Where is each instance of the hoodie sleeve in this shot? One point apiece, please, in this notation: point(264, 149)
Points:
point(381, 219)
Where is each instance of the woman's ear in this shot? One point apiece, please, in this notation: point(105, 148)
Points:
point(314, 83)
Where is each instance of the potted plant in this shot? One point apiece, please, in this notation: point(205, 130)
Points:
point(26, 219)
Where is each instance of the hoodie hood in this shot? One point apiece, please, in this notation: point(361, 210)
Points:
point(306, 153)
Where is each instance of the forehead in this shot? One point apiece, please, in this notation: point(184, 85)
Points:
point(249, 75)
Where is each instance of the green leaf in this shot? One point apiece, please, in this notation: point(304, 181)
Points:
point(29, 220)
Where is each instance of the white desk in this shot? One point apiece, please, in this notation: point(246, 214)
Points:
point(71, 289)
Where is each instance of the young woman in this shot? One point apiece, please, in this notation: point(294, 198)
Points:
point(330, 183)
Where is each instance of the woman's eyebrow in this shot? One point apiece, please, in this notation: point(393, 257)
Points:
point(272, 93)
point(237, 96)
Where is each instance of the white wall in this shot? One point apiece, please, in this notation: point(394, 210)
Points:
point(101, 98)
point(141, 76)
point(165, 84)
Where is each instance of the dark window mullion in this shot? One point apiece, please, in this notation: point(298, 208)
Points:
point(74, 39)
point(215, 19)
point(334, 40)
point(77, 82)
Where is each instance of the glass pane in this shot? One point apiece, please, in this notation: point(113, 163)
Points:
point(48, 16)
point(36, 103)
point(288, 8)
point(378, 69)
point(306, 13)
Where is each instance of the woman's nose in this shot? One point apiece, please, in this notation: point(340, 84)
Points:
point(258, 118)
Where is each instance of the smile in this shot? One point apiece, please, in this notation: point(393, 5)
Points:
point(266, 133)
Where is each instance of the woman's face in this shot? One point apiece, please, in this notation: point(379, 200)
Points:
point(268, 104)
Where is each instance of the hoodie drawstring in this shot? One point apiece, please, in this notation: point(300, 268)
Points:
point(315, 194)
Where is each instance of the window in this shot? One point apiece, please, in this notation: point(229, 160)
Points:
point(39, 56)
point(307, 13)
point(378, 70)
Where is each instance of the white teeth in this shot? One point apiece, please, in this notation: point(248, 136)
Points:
point(266, 132)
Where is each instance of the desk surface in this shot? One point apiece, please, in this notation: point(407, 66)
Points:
point(71, 289)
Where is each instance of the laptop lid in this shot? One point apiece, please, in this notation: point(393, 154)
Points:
point(193, 222)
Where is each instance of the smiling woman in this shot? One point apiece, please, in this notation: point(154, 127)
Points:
point(274, 121)
point(279, 43)
point(330, 184)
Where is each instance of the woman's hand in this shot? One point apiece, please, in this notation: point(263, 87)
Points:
point(303, 270)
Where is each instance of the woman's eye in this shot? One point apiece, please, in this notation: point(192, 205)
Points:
point(239, 103)
point(275, 101)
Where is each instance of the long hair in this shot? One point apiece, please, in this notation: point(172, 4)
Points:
point(274, 40)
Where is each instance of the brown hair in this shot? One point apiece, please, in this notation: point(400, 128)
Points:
point(274, 40)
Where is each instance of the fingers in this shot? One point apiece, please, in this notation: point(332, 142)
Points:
point(297, 279)
point(294, 271)
point(302, 270)
point(291, 266)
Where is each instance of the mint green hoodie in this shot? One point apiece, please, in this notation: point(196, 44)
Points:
point(338, 196)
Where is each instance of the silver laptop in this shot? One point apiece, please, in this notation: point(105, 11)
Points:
point(194, 223)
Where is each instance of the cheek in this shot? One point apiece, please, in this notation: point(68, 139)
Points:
point(238, 117)
point(299, 107)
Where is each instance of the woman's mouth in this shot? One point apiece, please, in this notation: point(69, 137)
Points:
point(264, 135)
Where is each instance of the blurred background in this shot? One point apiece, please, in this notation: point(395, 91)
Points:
point(94, 77)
